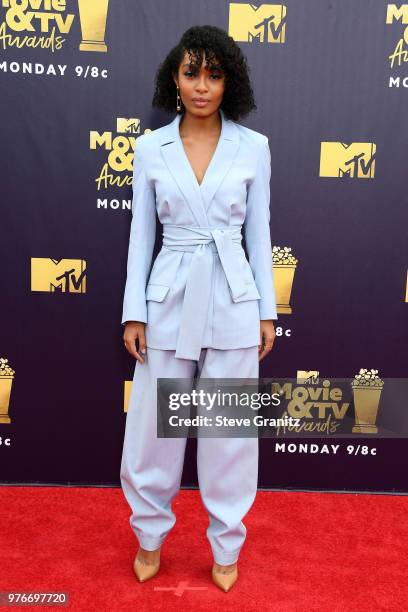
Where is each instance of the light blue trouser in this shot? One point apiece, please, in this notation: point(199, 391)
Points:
point(152, 467)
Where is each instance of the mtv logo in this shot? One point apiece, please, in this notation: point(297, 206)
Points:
point(356, 160)
point(307, 377)
point(58, 275)
point(127, 126)
point(264, 23)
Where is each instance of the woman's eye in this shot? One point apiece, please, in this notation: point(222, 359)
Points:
point(190, 73)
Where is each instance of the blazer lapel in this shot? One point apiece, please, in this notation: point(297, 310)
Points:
point(221, 161)
point(198, 197)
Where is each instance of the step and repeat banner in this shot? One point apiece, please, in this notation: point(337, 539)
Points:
point(330, 79)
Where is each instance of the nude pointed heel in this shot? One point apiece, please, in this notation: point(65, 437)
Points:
point(143, 570)
point(225, 581)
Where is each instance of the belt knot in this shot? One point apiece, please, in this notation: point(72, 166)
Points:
point(223, 241)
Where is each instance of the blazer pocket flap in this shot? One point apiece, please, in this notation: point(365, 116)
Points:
point(252, 293)
point(157, 293)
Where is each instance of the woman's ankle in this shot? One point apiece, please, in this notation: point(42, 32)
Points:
point(149, 555)
point(225, 568)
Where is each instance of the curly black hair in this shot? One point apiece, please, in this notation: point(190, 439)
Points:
point(238, 99)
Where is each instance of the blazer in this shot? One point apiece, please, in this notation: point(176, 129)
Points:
point(202, 291)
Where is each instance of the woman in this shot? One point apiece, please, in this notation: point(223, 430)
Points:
point(205, 306)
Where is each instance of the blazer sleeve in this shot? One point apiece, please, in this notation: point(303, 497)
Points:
point(257, 232)
point(141, 240)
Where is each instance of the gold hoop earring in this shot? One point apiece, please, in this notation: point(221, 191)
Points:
point(178, 100)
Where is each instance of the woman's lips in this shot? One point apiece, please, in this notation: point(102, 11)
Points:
point(200, 103)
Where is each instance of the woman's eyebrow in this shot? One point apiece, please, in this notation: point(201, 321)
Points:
point(212, 67)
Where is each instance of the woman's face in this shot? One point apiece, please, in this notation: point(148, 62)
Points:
point(197, 83)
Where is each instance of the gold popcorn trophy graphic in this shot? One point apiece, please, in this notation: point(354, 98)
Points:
point(284, 266)
point(6, 380)
point(367, 387)
point(92, 15)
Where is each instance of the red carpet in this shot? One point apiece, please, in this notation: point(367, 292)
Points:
point(304, 551)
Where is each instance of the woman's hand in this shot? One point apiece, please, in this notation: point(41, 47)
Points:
point(135, 330)
point(268, 336)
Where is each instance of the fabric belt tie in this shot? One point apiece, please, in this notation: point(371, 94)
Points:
point(203, 241)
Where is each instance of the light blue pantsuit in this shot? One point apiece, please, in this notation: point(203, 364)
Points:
point(202, 301)
point(152, 467)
